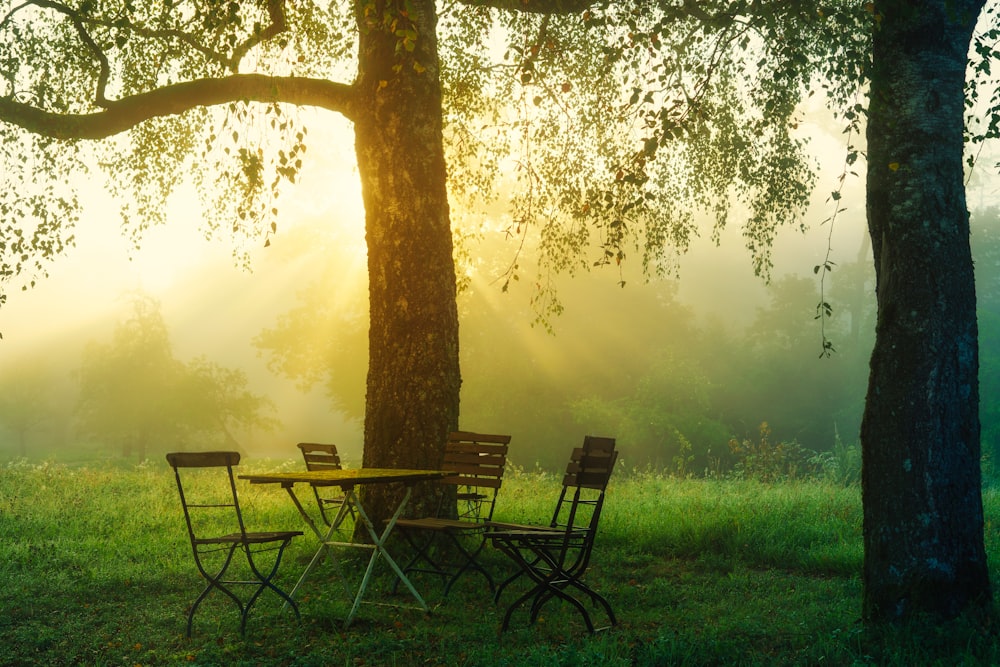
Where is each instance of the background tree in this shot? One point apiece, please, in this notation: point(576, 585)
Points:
point(128, 386)
point(136, 394)
point(323, 338)
point(26, 401)
point(216, 405)
point(782, 342)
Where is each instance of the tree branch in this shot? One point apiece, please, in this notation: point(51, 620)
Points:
point(276, 10)
point(535, 6)
point(278, 25)
point(176, 99)
point(692, 8)
point(102, 79)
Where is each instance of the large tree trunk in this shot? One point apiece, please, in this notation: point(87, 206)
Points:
point(923, 516)
point(413, 375)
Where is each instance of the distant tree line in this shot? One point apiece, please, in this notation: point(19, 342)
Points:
point(635, 362)
point(132, 395)
point(683, 393)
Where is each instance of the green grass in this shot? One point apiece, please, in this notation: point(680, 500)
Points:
point(95, 569)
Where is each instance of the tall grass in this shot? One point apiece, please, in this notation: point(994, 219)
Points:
point(95, 569)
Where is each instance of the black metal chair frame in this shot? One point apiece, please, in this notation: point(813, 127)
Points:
point(252, 544)
point(477, 461)
point(556, 557)
point(323, 456)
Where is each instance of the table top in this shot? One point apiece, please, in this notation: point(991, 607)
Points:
point(345, 477)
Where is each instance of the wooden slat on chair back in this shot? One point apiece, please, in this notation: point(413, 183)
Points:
point(477, 459)
point(202, 459)
point(320, 456)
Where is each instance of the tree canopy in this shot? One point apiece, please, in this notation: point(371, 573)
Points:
point(624, 123)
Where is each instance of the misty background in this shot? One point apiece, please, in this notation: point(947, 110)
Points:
point(124, 353)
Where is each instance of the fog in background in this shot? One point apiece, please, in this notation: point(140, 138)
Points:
point(683, 372)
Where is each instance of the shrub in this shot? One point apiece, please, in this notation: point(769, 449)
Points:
point(767, 461)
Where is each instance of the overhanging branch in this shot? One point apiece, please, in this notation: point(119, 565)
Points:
point(275, 11)
point(535, 6)
point(278, 25)
point(176, 99)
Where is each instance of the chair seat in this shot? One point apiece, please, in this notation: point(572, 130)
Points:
point(251, 538)
point(432, 523)
point(510, 527)
point(538, 536)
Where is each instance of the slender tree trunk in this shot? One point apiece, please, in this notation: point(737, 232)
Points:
point(859, 295)
point(923, 516)
point(413, 375)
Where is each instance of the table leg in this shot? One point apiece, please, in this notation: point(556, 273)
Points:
point(351, 499)
point(378, 549)
point(324, 539)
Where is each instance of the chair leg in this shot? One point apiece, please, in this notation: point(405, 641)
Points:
point(470, 562)
point(551, 578)
point(420, 550)
point(523, 565)
point(595, 597)
point(514, 605)
point(215, 582)
point(555, 586)
point(422, 554)
point(526, 567)
point(503, 585)
point(266, 583)
point(550, 589)
point(262, 582)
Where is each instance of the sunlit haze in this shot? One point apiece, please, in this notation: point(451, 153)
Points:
point(214, 308)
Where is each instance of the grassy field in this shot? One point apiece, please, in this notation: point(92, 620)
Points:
point(95, 569)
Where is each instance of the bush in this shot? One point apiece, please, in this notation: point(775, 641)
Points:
point(766, 461)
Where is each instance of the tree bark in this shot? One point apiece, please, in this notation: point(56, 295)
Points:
point(413, 375)
point(923, 515)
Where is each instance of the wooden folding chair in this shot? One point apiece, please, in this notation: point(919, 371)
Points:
point(217, 531)
point(477, 461)
point(555, 557)
point(331, 500)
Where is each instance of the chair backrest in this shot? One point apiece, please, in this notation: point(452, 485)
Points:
point(587, 475)
point(476, 461)
point(591, 466)
point(323, 456)
point(320, 456)
point(209, 499)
